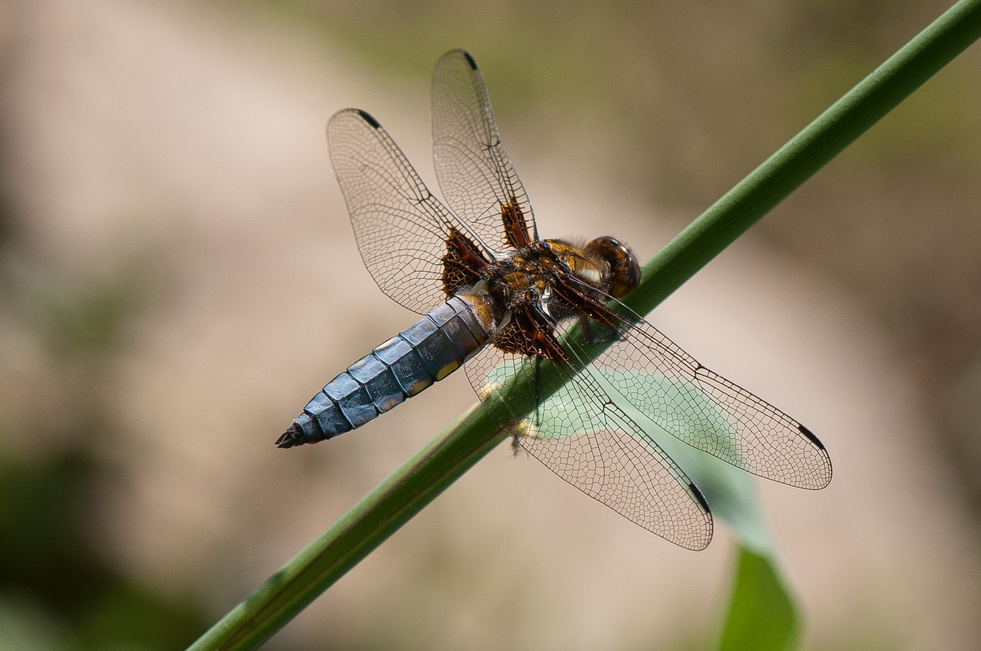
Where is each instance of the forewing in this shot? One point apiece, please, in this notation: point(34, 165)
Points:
point(475, 174)
point(400, 227)
point(587, 440)
point(707, 411)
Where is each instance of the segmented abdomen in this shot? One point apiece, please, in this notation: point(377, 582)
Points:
point(397, 369)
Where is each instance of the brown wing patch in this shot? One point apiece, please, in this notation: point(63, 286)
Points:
point(462, 262)
point(515, 224)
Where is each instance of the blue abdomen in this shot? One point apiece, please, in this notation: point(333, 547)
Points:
point(397, 369)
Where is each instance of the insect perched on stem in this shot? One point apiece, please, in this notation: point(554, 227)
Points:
point(538, 325)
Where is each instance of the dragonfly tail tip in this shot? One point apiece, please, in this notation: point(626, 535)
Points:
point(290, 438)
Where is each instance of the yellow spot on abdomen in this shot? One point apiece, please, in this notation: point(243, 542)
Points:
point(419, 385)
point(389, 404)
point(446, 370)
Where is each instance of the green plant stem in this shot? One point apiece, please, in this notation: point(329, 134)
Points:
point(365, 526)
point(428, 473)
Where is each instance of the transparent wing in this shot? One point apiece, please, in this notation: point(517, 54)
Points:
point(475, 174)
point(587, 440)
point(705, 410)
point(400, 227)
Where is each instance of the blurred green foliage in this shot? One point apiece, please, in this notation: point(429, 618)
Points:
point(58, 589)
point(762, 615)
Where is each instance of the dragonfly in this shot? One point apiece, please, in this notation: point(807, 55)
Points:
point(554, 355)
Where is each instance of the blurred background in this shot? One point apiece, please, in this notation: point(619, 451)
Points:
point(178, 276)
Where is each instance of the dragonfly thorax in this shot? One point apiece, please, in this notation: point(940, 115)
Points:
point(528, 275)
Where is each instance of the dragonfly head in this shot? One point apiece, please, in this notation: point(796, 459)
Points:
point(623, 265)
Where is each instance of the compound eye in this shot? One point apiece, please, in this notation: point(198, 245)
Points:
point(624, 268)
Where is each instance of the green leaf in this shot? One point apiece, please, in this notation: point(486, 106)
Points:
point(762, 615)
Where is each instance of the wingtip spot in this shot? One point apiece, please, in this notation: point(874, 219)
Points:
point(369, 118)
point(809, 435)
point(699, 497)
